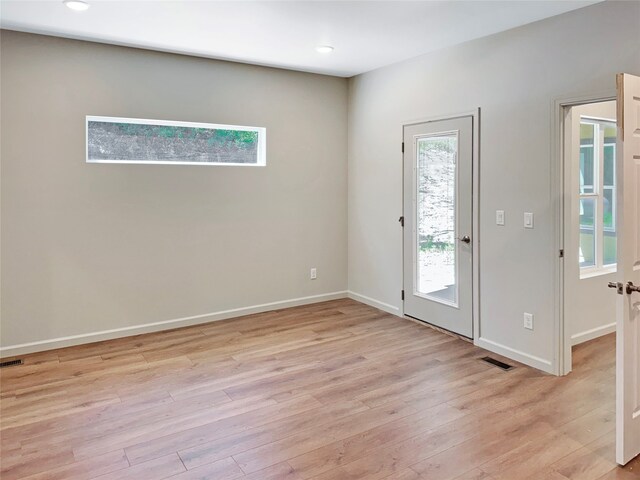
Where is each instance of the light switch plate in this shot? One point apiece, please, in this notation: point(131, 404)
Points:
point(528, 220)
point(499, 217)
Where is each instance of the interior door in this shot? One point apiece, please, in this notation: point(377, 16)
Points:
point(438, 161)
point(628, 317)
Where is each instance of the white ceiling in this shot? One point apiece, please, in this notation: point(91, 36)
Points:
point(366, 34)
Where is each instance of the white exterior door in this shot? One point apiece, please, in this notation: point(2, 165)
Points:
point(628, 317)
point(438, 161)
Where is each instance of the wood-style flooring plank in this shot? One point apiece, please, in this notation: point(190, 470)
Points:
point(225, 469)
point(336, 390)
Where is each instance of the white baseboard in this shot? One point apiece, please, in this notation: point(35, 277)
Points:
point(374, 303)
point(593, 333)
point(61, 342)
point(522, 357)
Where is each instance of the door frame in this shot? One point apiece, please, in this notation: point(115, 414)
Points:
point(562, 361)
point(475, 211)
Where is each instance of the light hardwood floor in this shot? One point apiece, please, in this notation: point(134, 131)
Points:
point(336, 390)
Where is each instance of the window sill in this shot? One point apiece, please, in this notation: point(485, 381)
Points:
point(596, 272)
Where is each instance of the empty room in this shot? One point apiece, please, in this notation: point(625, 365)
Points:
point(320, 240)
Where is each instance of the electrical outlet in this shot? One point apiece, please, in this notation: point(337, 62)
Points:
point(313, 274)
point(528, 321)
point(499, 217)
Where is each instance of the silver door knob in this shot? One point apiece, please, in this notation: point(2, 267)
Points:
point(466, 239)
point(632, 288)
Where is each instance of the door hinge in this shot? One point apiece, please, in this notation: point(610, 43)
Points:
point(562, 253)
point(401, 220)
point(402, 147)
point(402, 295)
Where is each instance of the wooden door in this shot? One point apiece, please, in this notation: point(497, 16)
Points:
point(628, 316)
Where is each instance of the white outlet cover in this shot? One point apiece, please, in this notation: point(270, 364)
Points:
point(499, 217)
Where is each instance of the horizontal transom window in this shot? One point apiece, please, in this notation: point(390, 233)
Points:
point(133, 140)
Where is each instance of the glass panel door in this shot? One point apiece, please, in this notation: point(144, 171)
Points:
point(436, 245)
point(438, 227)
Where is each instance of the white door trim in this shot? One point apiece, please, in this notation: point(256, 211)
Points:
point(475, 213)
point(561, 362)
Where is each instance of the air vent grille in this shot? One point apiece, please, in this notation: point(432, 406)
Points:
point(497, 363)
point(11, 363)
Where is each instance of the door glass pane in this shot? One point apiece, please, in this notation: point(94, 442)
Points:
point(436, 212)
point(587, 232)
point(587, 164)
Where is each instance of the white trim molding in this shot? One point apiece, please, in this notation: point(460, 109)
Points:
point(522, 357)
point(61, 342)
point(593, 333)
point(372, 302)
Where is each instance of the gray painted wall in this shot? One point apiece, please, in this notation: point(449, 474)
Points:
point(514, 77)
point(89, 247)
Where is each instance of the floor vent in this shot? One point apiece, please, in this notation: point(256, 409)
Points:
point(10, 363)
point(497, 363)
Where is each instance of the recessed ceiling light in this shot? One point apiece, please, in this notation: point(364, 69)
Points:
point(77, 5)
point(324, 49)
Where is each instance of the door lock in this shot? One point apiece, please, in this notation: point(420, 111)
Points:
point(618, 286)
point(632, 288)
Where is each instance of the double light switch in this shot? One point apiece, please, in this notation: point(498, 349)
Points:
point(528, 218)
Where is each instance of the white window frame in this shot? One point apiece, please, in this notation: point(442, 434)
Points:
point(261, 154)
point(600, 268)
